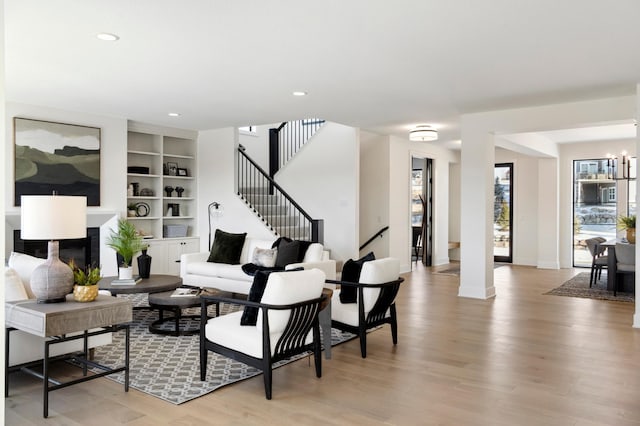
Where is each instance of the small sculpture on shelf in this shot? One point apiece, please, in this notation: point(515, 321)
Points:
point(179, 190)
point(169, 190)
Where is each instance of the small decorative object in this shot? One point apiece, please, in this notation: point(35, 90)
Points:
point(144, 263)
point(175, 209)
point(628, 223)
point(142, 209)
point(131, 210)
point(169, 190)
point(127, 242)
point(130, 190)
point(136, 189)
point(172, 169)
point(146, 192)
point(85, 282)
point(179, 190)
point(182, 172)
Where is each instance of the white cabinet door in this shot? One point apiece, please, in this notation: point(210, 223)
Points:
point(158, 252)
point(176, 248)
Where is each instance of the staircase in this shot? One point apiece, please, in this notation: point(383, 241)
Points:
point(271, 203)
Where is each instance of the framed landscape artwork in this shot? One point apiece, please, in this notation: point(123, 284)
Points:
point(56, 157)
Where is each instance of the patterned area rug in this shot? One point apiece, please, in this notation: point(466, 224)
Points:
point(168, 367)
point(578, 286)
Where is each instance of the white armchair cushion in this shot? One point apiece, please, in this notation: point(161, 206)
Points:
point(13, 287)
point(377, 272)
point(24, 265)
point(313, 253)
point(285, 288)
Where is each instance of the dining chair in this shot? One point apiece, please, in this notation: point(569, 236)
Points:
point(598, 258)
point(625, 263)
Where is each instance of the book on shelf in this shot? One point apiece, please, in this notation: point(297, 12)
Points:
point(186, 292)
point(126, 281)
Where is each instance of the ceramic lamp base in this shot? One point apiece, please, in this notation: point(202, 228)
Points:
point(53, 280)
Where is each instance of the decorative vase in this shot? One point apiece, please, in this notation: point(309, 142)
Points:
point(144, 264)
point(85, 293)
point(125, 273)
point(631, 235)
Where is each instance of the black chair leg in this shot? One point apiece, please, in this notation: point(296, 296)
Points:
point(591, 276)
point(363, 342)
point(394, 324)
point(268, 377)
point(317, 351)
point(203, 362)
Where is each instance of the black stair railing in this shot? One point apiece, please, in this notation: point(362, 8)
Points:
point(287, 139)
point(272, 204)
point(376, 235)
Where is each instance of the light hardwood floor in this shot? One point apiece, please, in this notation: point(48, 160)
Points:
point(523, 358)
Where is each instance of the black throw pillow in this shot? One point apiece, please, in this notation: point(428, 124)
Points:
point(351, 273)
point(227, 247)
point(288, 252)
point(250, 313)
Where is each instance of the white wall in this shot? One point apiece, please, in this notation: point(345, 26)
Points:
point(374, 192)
point(257, 144)
point(323, 178)
point(113, 154)
point(216, 182)
point(401, 151)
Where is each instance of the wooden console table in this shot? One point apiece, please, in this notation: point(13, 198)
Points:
point(62, 322)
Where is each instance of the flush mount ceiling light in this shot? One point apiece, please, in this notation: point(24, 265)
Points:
point(299, 93)
point(107, 37)
point(423, 133)
point(173, 114)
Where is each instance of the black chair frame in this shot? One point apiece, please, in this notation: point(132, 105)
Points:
point(377, 315)
point(302, 319)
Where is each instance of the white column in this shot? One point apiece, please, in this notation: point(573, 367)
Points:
point(636, 317)
point(476, 230)
point(548, 214)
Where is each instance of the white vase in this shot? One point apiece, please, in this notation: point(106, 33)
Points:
point(125, 273)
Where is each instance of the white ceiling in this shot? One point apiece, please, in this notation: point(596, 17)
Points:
point(375, 64)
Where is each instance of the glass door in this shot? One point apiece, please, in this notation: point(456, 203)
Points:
point(595, 199)
point(503, 213)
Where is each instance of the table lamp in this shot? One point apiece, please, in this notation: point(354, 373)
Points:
point(52, 217)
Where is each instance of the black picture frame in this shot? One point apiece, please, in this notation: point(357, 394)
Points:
point(51, 156)
point(172, 169)
point(182, 172)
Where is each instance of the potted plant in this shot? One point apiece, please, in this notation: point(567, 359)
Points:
point(85, 282)
point(126, 242)
point(628, 223)
point(131, 210)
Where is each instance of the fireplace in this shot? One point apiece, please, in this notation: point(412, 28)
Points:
point(84, 251)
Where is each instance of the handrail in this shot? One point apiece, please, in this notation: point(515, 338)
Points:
point(377, 234)
point(270, 188)
point(287, 139)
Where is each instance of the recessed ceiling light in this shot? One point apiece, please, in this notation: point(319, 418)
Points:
point(107, 37)
point(299, 93)
point(174, 114)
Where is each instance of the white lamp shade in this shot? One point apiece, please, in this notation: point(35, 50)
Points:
point(53, 217)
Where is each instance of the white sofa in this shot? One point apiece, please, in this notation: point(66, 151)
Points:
point(25, 347)
point(196, 271)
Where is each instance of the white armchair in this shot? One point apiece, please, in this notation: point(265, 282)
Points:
point(287, 324)
point(376, 291)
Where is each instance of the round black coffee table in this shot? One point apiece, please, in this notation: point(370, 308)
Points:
point(153, 284)
point(164, 302)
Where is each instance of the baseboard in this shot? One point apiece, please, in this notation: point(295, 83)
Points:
point(548, 265)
